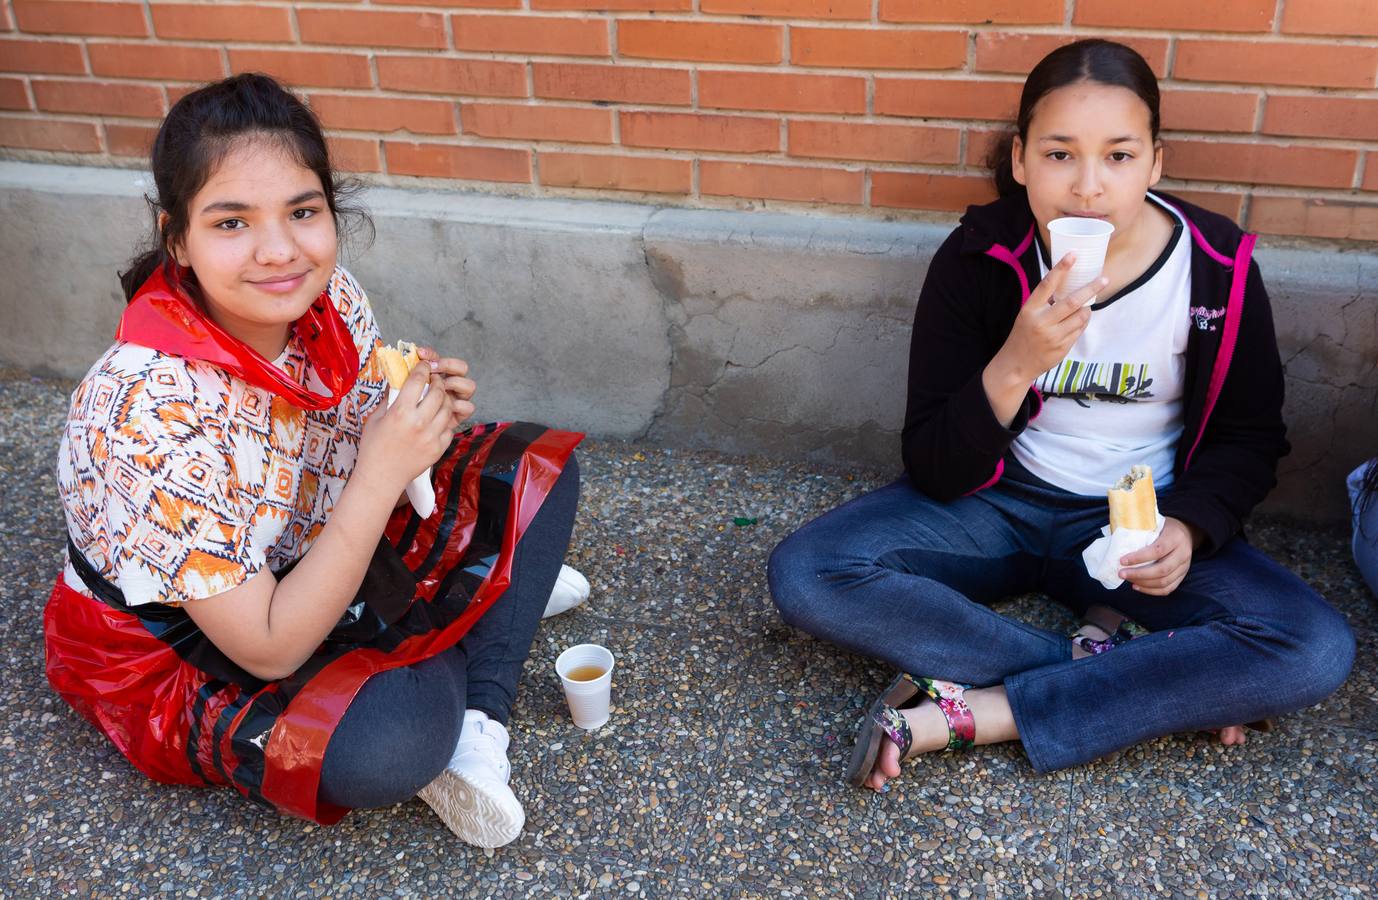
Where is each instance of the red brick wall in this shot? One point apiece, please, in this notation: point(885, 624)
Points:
point(876, 106)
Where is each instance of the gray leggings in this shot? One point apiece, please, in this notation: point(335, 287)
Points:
point(401, 728)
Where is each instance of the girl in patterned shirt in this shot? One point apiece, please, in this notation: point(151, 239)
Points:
point(249, 600)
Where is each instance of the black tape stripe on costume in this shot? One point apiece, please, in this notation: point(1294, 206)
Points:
point(198, 713)
point(450, 516)
point(169, 624)
point(494, 500)
point(222, 725)
point(414, 521)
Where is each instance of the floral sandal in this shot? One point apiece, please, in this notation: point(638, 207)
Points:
point(885, 721)
point(1121, 629)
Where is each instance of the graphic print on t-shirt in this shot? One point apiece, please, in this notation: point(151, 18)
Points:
point(1114, 382)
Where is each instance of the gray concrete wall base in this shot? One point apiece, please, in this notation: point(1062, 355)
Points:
point(745, 332)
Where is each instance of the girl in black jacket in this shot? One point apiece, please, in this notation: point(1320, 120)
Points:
point(1025, 403)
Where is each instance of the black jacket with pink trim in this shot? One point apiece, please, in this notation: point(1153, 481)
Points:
point(1234, 435)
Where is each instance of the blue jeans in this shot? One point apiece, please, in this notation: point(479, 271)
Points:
point(401, 729)
point(897, 576)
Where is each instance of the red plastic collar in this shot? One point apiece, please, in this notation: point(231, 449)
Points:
point(163, 317)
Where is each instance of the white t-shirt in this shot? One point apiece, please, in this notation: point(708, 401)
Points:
point(1115, 401)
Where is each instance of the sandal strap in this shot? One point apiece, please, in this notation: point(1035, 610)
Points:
point(950, 698)
point(893, 723)
point(1124, 634)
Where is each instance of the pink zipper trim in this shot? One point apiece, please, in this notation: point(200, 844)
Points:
point(1200, 238)
point(1234, 311)
point(1011, 259)
point(999, 470)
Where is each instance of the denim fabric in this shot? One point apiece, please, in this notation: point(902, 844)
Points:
point(897, 576)
point(401, 729)
point(1365, 526)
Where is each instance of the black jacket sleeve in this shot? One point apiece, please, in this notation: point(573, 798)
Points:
point(951, 441)
point(1235, 465)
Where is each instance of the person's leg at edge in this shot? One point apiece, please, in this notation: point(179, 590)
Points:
point(897, 576)
point(1241, 639)
point(500, 642)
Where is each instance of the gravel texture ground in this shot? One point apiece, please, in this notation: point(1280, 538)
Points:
point(719, 774)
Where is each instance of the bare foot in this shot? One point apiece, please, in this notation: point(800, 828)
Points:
point(1232, 735)
point(929, 728)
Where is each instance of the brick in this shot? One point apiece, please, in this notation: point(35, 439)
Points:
point(559, 36)
point(41, 57)
point(166, 61)
point(453, 4)
point(372, 28)
point(49, 134)
point(618, 5)
point(1259, 163)
point(650, 175)
point(1290, 62)
point(130, 140)
point(909, 190)
point(295, 67)
point(574, 125)
point(176, 92)
point(354, 113)
point(13, 94)
point(948, 98)
point(216, 22)
point(980, 143)
point(1209, 110)
point(99, 98)
point(859, 10)
point(1346, 18)
point(450, 161)
point(354, 154)
point(773, 92)
point(616, 84)
point(1371, 172)
point(882, 143)
point(877, 49)
point(107, 19)
point(685, 131)
point(700, 41)
point(976, 12)
point(469, 77)
point(1185, 15)
point(1332, 117)
point(999, 51)
point(1314, 217)
point(1227, 203)
point(6, 20)
point(760, 181)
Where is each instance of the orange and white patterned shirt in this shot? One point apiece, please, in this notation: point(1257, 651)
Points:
point(181, 481)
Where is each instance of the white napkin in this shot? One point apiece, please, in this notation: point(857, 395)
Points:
point(420, 492)
point(1102, 558)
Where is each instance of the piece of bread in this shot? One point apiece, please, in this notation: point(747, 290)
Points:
point(398, 362)
point(1133, 503)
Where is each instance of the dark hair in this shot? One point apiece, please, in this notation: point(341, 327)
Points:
point(1097, 61)
point(201, 129)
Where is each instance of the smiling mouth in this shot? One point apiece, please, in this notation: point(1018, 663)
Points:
point(279, 279)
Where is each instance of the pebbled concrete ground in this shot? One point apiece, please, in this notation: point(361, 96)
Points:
point(719, 774)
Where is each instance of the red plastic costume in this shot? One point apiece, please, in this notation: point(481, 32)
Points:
point(181, 711)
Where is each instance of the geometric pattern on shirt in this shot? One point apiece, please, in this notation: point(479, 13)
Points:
point(180, 481)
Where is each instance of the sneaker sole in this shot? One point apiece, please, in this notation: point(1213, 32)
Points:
point(473, 811)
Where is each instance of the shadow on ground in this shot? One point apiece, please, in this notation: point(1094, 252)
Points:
point(719, 774)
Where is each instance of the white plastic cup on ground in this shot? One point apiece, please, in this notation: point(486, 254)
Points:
point(585, 671)
point(1089, 238)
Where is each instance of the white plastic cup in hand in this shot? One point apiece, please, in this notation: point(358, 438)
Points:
point(585, 671)
point(1088, 238)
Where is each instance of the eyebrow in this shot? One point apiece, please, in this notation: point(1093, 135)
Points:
point(1067, 139)
point(236, 206)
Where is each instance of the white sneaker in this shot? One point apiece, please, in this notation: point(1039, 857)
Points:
point(471, 796)
point(571, 589)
